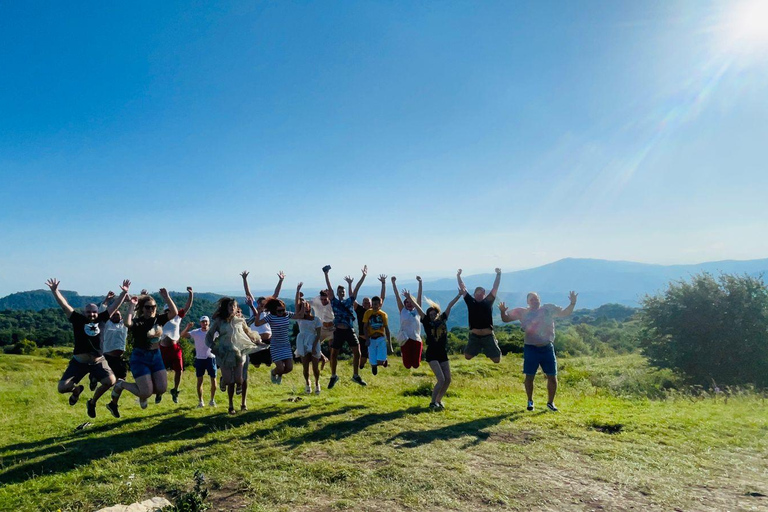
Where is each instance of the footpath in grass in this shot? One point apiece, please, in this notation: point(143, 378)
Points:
point(380, 448)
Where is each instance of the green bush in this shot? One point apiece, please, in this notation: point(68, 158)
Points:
point(24, 347)
point(714, 330)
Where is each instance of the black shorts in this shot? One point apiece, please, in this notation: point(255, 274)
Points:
point(342, 335)
point(262, 357)
point(364, 347)
point(438, 354)
point(118, 365)
point(76, 370)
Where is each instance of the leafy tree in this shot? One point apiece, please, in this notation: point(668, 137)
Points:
point(710, 329)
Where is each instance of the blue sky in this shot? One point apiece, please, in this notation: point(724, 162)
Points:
point(179, 143)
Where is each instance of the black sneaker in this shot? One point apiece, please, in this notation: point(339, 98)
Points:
point(93, 383)
point(359, 380)
point(374, 369)
point(158, 398)
point(175, 395)
point(90, 406)
point(530, 405)
point(333, 381)
point(112, 407)
point(75, 396)
point(551, 407)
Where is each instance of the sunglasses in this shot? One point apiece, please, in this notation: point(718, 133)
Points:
point(153, 306)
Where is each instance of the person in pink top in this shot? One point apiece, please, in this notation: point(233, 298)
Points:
point(538, 322)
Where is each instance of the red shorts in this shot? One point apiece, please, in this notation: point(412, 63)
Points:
point(172, 358)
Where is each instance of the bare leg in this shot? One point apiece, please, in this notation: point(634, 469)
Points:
point(105, 385)
point(305, 360)
point(551, 388)
point(334, 360)
point(177, 380)
point(213, 388)
point(355, 359)
point(438, 371)
point(243, 404)
point(529, 386)
point(160, 382)
point(446, 367)
point(316, 371)
point(142, 388)
point(200, 388)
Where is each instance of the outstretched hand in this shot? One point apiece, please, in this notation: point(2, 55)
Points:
point(298, 286)
point(126, 285)
point(406, 294)
point(281, 275)
point(502, 307)
point(110, 295)
point(383, 278)
point(572, 297)
point(53, 284)
point(365, 270)
point(244, 274)
point(349, 280)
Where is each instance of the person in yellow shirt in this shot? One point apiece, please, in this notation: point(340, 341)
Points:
point(377, 330)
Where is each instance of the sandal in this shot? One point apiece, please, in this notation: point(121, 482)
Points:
point(75, 396)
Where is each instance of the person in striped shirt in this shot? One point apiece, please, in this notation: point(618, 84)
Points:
point(279, 320)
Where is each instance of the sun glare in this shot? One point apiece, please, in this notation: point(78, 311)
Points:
point(745, 26)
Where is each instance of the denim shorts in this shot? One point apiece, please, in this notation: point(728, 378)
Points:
point(534, 356)
point(145, 362)
point(205, 365)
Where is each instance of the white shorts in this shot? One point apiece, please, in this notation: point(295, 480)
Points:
point(304, 342)
point(377, 350)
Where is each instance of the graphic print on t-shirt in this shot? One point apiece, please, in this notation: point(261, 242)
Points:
point(91, 329)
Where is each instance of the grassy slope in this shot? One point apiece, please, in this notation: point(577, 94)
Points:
point(379, 449)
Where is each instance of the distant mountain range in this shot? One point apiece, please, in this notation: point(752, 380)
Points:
point(598, 282)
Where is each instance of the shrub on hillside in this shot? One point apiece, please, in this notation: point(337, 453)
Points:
point(24, 347)
point(711, 329)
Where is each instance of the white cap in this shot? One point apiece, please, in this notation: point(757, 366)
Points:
point(205, 319)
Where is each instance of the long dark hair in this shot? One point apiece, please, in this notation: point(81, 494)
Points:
point(272, 304)
point(222, 308)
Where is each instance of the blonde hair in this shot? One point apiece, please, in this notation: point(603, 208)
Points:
point(432, 305)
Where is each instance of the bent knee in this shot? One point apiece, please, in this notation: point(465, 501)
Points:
point(65, 387)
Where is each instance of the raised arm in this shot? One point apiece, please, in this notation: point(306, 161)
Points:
point(172, 309)
point(257, 320)
point(461, 283)
point(280, 279)
point(360, 282)
point(397, 295)
point(453, 303)
point(297, 299)
point(131, 311)
point(120, 298)
point(415, 304)
point(107, 298)
point(506, 316)
point(349, 281)
point(190, 298)
point(383, 279)
point(496, 283)
point(567, 311)
point(331, 293)
point(187, 328)
point(53, 284)
point(418, 293)
point(246, 288)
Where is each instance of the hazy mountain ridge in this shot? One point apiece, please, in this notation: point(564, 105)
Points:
point(598, 282)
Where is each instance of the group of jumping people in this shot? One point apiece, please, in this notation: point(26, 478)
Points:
point(230, 342)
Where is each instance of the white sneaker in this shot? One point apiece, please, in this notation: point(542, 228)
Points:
point(200, 404)
point(317, 388)
point(212, 403)
point(308, 389)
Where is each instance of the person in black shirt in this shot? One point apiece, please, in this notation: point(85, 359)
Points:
point(146, 326)
point(86, 356)
point(480, 310)
point(437, 345)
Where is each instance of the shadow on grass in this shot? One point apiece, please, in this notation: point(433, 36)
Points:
point(61, 454)
point(473, 429)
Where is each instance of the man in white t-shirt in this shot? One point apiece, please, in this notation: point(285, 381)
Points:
point(205, 361)
point(170, 348)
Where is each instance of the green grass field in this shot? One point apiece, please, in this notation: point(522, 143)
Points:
point(379, 448)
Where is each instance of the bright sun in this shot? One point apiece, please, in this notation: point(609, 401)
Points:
point(745, 27)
